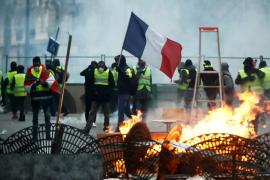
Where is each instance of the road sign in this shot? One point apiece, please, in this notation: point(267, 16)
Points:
point(53, 46)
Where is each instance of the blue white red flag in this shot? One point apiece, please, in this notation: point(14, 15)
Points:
point(154, 48)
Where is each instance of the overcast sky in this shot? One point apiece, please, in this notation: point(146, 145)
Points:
point(244, 26)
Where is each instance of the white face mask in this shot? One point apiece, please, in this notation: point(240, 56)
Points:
point(100, 69)
point(36, 68)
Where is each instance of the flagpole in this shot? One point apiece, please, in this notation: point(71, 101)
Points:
point(124, 41)
point(120, 56)
point(60, 104)
point(59, 131)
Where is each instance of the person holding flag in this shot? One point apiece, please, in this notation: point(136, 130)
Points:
point(124, 88)
point(154, 48)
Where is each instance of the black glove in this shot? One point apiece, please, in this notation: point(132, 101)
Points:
point(44, 84)
point(34, 85)
point(257, 71)
point(251, 78)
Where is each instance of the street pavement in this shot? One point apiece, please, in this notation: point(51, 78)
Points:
point(8, 126)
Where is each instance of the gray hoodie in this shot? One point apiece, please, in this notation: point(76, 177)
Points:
point(227, 79)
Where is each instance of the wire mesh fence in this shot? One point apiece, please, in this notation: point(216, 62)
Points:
point(79, 63)
point(71, 141)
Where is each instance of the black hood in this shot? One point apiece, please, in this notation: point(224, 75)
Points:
point(122, 59)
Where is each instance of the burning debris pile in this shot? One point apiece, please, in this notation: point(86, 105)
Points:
point(221, 145)
point(133, 155)
point(223, 155)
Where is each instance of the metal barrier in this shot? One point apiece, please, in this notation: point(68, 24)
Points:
point(217, 155)
point(78, 63)
point(72, 140)
point(121, 158)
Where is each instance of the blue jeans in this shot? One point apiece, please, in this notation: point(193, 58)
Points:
point(123, 108)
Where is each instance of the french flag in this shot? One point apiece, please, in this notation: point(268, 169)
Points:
point(152, 47)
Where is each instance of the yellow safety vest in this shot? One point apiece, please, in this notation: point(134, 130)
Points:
point(183, 85)
point(254, 86)
point(1, 76)
point(19, 89)
point(37, 75)
point(10, 76)
point(129, 72)
point(115, 75)
point(145, 79)
point(101, 78)
point(266, 79)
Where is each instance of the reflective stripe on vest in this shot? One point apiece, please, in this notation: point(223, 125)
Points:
point(101, 78)
point(183, 85)
point(10, 76)
point(129, 72)
point(115, 75)
point(1, 76)
point(266, 79)
point(145, 80)
point(19, 89)
point(207, 66)
point(254, 86)
point(37, 75)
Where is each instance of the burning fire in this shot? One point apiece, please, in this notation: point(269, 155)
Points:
point(175, 134)
point(120, 166)
point(126, 125)
point(229, 120)
point(152, 150)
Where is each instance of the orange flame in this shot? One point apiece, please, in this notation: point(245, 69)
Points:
point(153, 150)
point(174, 134)
point(126, 125)
point(120, 166)
point(229, 120)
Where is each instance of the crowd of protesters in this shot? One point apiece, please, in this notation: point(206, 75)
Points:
point(119, 88)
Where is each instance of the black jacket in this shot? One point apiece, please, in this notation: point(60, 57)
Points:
point(192, 75)
point(211, 79)
point(250, 76)
point(124, 81)
point(88, 87)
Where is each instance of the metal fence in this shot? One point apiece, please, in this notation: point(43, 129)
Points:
point(79, 63)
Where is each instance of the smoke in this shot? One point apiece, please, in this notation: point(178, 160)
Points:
point(99, 27)
point(244, 25)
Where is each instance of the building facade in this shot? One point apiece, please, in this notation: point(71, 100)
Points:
point(26, 25)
